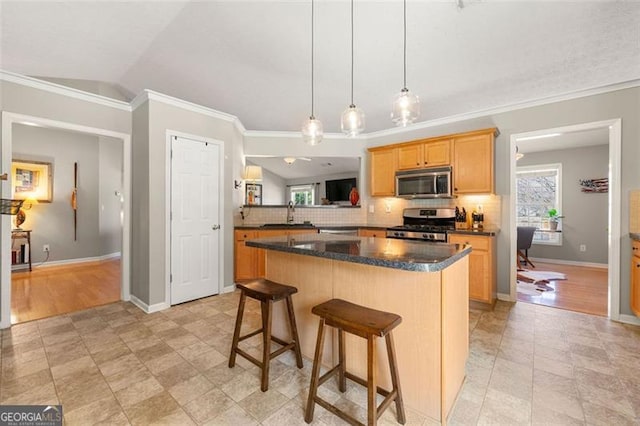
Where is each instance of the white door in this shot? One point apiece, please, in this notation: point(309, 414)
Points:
point(195, 219)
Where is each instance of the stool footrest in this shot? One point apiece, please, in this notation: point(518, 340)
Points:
point(246, 336)
point(248, 357)
point(326, 376)
point(338, 412)
point(282, 350)
point(362, 382)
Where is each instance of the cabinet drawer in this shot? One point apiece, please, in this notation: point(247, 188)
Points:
point(242, 235)
point(477, 242)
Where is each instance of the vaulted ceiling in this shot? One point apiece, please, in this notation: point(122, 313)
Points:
point(252, 58)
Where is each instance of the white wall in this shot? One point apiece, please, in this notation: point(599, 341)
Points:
point(110, 194)
point(586, 214)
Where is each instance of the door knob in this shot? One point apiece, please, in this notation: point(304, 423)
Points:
point(215, 227)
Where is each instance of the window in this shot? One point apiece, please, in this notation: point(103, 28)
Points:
point(538, 189)
point(303, 195)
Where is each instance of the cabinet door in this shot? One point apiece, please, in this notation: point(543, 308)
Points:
point(480, 266)
point(378, 233)
point(437, 153)
point(383, 173)
point(635, 284)
point(410, 157)
point(246, 258)
point(473, 164)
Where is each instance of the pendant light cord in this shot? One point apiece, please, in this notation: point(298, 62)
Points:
point(312, 21)
point(352, 104)
point(405, 43)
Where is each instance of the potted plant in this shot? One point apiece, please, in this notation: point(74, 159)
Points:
point(553, 219)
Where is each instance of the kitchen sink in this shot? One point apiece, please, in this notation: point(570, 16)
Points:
point(288, 225)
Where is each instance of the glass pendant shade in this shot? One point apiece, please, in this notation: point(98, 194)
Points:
point(352, 122)
point(312, 131)
point(406, 108)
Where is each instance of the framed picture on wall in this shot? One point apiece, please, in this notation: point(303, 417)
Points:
point(31, 179)
point(253, 194)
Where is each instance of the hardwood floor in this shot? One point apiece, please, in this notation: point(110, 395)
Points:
point(55, 290)
point(584, 290)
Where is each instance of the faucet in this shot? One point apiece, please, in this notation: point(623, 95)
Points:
point(290, 210)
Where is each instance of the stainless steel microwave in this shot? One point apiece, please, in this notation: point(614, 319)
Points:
point(424, 183)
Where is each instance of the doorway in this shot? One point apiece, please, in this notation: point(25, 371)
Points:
point(9, 121)
point(612, 129)
point(195, 218)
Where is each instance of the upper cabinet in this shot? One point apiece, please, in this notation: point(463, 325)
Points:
point(382, 171)
point(470, 155)
point(419, 155)
point(473, 164)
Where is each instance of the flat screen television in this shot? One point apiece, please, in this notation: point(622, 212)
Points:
point(339, 189)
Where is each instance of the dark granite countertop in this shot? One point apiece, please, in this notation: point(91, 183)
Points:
point(302, 226)
point(488, 232)
point(634, 236)
point(389, 253)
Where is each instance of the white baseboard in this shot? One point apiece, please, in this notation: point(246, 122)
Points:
point(228, 289)
point(570, 262)
point(50, 263)
point(505, 297)
point(149, 308)
point(629, 319)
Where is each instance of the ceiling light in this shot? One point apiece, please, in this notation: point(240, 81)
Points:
point(352, 122)
point(289, 160)
point(312, 128)
point(406, 106)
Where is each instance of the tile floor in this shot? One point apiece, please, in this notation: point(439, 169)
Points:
point(116, 365)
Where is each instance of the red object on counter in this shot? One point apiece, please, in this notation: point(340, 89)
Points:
point(354, 197)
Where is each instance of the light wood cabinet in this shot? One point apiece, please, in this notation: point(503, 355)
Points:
point(482, 266)
point(420, 155)
point(473, 164)
point(246, 258)
point(470, 155)
point(250, 261)
point(378, 233)
point(635, 277)
point(383, 170)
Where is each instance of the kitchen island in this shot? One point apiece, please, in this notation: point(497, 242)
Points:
point(425, 283)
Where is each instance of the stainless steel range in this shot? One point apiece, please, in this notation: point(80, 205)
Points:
point(428, 224)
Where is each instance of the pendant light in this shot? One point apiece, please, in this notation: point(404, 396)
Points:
point(406, 106)
point(312, 128)
point(352, 122)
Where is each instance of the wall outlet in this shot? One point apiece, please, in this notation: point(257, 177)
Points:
point(372, 208)
point(583, 247)
point(46, 248)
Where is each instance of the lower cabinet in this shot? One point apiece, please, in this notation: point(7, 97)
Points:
point(635, 277)
point(482, 266)
point(379, 233)
point(245, 258)
point(250, 261)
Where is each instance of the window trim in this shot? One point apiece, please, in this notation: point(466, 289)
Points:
point(557, 167)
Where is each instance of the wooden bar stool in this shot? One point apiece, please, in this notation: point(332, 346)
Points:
point(266, 292)
point(368, 324)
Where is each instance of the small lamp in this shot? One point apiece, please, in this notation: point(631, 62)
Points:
point(26, 205)
point(251, 174)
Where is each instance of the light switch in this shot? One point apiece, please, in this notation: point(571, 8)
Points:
point(372, 208)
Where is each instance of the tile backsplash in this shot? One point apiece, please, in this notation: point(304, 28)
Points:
point(386, 212)
point(634, 211)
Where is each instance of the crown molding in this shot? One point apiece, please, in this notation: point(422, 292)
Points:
point(275, 134)
point(507, 108)
point(63, 90)
point(147, 95)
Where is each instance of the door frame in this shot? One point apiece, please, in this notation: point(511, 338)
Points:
point(8, 120)
point(614, 201)
point(168, 177)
